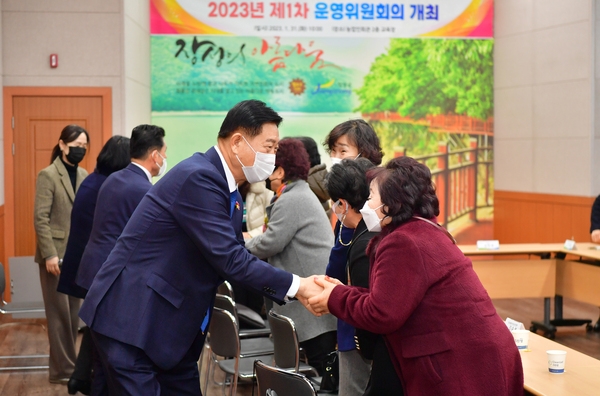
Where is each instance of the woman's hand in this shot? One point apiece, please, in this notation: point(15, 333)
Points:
point(319, 302)
point(52, 266)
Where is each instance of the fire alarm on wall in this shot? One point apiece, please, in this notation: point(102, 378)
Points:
point(53, 60)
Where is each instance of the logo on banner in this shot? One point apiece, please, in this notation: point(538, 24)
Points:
point(328, 88)
point(297, 86)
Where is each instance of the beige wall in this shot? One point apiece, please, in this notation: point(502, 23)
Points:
point(137, 64)
point(99, 43)
point(544, 112)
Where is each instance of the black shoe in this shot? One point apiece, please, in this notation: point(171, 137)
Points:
point(74, 385)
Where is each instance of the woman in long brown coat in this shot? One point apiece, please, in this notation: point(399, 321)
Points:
point(55, 190)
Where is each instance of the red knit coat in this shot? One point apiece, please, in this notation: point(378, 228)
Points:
point(442, 330)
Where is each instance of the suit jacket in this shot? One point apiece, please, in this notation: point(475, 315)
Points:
point(595, 217)
point(443, 333)
point(54, 198)
point(160, 279)
point(81, 226)
point(298, 239)
point(120, 194)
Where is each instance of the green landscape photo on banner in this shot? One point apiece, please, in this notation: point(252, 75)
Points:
point(426, 97)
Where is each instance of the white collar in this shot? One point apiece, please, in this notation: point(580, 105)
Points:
point(146, 171)
point(230, 179)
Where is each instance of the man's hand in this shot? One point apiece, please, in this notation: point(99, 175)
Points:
point(52, 266)
point(596, 236)
point(308, 288)
point(319, 303)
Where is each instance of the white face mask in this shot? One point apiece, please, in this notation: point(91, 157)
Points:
point(370, 217)
point(340, 216)
point(161, 168)
point(335, 161)
point(264, 165)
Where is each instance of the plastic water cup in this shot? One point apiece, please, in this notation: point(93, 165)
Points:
point(556, 361)
point(521, 338)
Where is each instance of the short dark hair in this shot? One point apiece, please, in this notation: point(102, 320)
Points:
point(293, 158)
point(144, 139)
point(67, 135)
point(406, 189)
point(362, 135)
point(347, 180)
point(311, 148)
point(250, 116)
point(114, 155)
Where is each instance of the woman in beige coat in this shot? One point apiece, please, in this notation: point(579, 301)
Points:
point(55, 190)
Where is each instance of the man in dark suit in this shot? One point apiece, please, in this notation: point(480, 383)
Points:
point(118, 197)
point(148, 304)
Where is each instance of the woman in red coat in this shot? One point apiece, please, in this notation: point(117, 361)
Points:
point(438, 321)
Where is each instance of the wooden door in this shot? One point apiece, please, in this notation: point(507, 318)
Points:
point(38, 121)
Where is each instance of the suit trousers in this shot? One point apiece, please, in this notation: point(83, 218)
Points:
point(83, 364)
point(63, 322)
point(130, 372)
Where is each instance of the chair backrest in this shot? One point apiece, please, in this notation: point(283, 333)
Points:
point(226, 289)
point(272, 381)
point(228, 304)
point(285, 341)
point(223, 331)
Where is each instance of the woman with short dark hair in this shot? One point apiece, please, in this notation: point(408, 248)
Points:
point(298, 238)
point(443, 333)
point(352, 139)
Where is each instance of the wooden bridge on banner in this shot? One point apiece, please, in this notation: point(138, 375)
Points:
point(462, 176)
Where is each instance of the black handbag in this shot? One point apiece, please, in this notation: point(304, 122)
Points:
point(331, 373)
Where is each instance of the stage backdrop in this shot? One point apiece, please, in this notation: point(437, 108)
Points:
point(420, 72)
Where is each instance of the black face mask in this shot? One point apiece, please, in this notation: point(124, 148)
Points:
point(268, 184)
point(75, 155)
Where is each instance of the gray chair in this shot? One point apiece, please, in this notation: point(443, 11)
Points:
point(226, 302)
point(19, 308)
point(247, 317)
point(224, 342)
point(287, 346)
point(273, 381)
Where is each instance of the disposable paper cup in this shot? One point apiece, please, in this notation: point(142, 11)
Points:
point(556, 361)
point(521, 338)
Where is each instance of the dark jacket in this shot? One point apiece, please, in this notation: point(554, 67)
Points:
point(160, 279)
point(118, 197)
point(82, 218)
point(384, 381)
point(595, 215)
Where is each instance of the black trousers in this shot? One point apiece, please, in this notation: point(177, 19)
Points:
point(83, 364)
point(384, 380)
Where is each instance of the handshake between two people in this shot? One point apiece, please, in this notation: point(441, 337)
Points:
point(314, 292)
